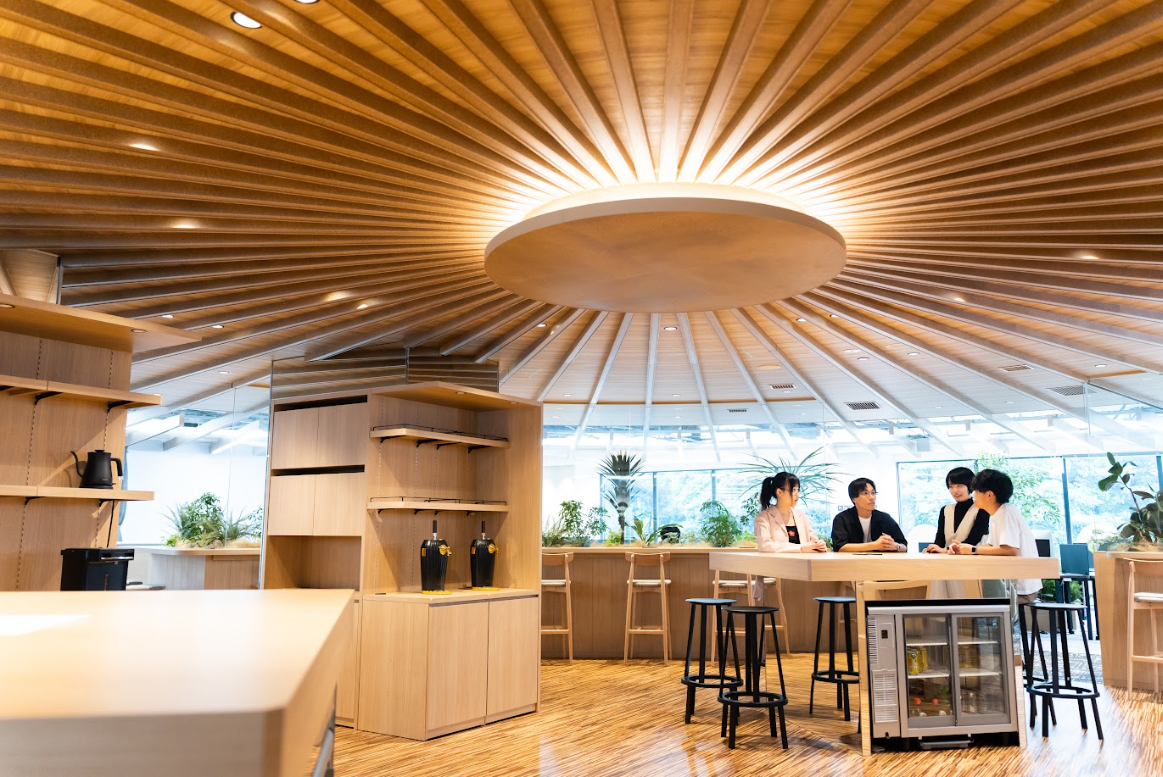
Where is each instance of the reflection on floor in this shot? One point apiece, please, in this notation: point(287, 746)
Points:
point(606, 718)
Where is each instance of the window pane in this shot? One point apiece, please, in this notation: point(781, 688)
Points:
point(1093, 512)
point(922, 493)
point(679, 496)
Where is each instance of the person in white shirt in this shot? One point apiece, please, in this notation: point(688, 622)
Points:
point(1009, 533)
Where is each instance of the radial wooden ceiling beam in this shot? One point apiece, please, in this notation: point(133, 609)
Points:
point(173, 406)
point(680, 22)
point(752, 326)
point(535, 348)
point(868, 384)
point(492, 304)
point(745, 374)
point(625, 85)
point(692, 355)
point(595, 395)
point(513, 312)
point(542, 316)
point(575, 349)
point(201, 432)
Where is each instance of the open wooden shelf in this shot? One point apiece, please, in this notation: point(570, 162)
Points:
point(14, 384)
point(451, 505)
point(61, 492)
point(87, 327)
point(438, 436)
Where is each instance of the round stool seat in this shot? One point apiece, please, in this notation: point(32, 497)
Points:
point(837, 599)
point(744, 609)
point(710, 602)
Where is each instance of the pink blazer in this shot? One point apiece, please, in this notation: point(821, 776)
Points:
point(771, 531)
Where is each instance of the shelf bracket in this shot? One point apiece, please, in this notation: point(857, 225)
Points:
point(44, 395)
point(472, 448)
point(28, 499)
point(425, 442)
point(116, 404)
point(440, 445)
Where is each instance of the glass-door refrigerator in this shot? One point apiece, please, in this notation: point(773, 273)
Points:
point(941, 668)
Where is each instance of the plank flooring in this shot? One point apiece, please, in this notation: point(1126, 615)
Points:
point(606, 718)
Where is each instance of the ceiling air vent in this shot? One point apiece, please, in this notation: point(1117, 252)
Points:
point(1014, 367)
point(862, 406)
point(736, 410)
point(783, 386)
point(1068, 391)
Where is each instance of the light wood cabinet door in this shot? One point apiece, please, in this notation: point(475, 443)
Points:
point(344, 432)
point(458, 651)
point(347, 689)
point(340, 504)
point(294, 437)
point(291, 505)
point(514, 656)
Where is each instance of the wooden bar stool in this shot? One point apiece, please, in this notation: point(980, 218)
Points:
point(639, 585)
point(1143, 600)
point(560, 585)
point(728, 588)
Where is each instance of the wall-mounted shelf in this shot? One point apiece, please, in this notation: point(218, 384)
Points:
point(44, 389)
point(444, 505)
point(87, 327)
point(442, 437)
point(60, 492)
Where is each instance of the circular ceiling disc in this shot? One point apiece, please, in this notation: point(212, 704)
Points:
point(665, 255)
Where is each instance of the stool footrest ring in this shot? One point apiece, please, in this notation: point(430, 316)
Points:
point(747, 699)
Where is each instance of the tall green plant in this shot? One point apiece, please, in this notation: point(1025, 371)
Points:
point(202, 522)
point(1145, 525)
point(717, 527)
point(816, 477)
point(621, 469)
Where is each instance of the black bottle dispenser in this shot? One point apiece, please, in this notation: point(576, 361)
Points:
point(483, 562)
point(434, 555)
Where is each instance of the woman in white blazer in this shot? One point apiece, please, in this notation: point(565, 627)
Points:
point(782, 527)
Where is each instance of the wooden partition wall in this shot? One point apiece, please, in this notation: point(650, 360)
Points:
point(64, 386)
point(356, 480)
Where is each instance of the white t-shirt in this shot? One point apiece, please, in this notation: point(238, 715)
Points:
point(1008, 527)
point(866, 525)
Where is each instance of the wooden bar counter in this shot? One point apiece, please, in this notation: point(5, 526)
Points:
point(176, 683)
point(1110, 572)
point(197, 569)
point(599, 601)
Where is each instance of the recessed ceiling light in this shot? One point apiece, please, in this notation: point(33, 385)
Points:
point(460, 392)
point(674, 395)
point(936, 407)
point(143, 146)
point(851, 350)
point(678, 416)
point(137, 331)
point(861, 358)
point(801, 320)
point(832, 315)
point(1009, 401)
point(542, 325)
point(568, 395)
point(185, 225)
point(556, 416)
point(5, 305)
point(787, 392)
point(167, 315)
point(362, 306)
point(958, 299)
point(769, 367)
point(216, 326)
point(914, 353)
point(242, 20)
point(306, 2)
point(1099, 366)
point(223, 372)
point(669, 328)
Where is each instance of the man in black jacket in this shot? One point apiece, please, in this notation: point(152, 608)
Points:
point(862, 527)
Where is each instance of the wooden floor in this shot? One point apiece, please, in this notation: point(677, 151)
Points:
point(605, 718)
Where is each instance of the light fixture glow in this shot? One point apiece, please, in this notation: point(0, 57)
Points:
point(1099, 366)
point(914, 353)
point(167, 315)
point(833, 315)
point(216, 326)
point(185, 225)
point(5, 305)
point(143, 146)
point(242, 20)
point(542, 325)
point(801, 320)
point(851, 350)
point(861, 358)
point(674, 395)
point(362, 306)
point(669, 328)
point(958, 299)
point(137, 331)
point(223, 372)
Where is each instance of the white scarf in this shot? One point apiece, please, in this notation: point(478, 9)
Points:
point(963, 529)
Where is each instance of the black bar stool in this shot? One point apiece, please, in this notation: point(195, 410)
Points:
point(842, 678)
point(1028, 644)
point(754, 626)
point(1053, 688)
point(702, 679)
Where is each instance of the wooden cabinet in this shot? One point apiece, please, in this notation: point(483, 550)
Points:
point(429, 668)
point(328, 505)
point(314, 437)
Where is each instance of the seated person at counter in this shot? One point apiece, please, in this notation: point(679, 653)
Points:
point(782, 527)
point(1009, 533)
point(862, 527)
point(961, 521)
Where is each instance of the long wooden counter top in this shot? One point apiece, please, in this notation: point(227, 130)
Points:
point(884, 566)
point(168, 682)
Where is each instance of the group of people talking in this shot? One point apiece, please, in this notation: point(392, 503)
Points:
point(981, 520)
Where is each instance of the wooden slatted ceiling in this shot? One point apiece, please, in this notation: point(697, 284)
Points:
point(354, 152)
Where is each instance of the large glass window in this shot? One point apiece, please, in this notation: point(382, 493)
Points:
point(1094, 512)
point(679, 496)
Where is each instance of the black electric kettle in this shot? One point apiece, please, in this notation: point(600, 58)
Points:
point(98, 470)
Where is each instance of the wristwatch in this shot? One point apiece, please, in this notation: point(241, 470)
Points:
point(973, 550)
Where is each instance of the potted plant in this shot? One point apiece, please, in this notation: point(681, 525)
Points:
point(1144, 528)
point(717, 527)
point(621, 469)
point(203, 523)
